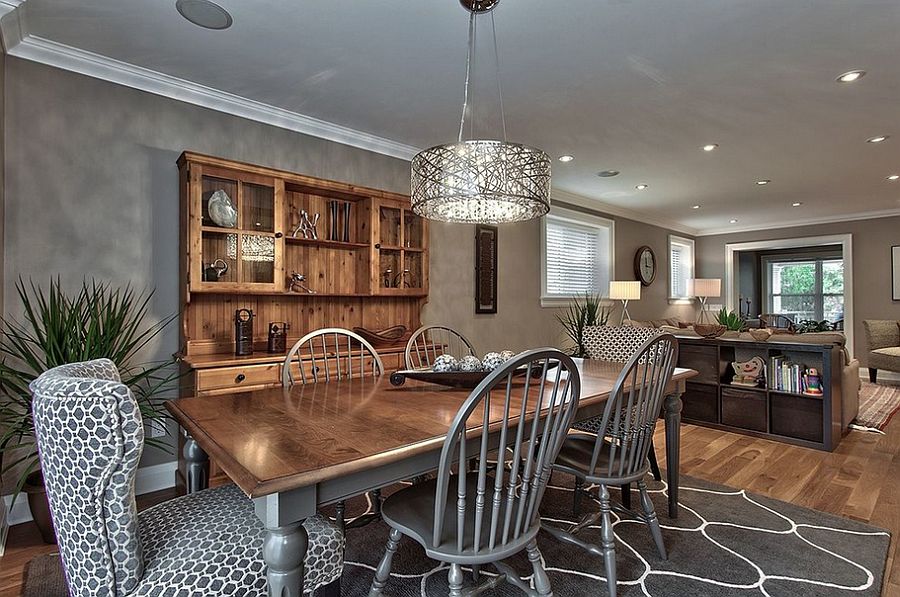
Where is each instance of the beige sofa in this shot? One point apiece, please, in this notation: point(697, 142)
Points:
point(882, 346)
point(850, 385)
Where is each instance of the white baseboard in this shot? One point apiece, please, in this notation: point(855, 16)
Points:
point(882, 375)
point(148, 479)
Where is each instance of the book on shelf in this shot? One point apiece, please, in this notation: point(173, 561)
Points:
point(785, 375)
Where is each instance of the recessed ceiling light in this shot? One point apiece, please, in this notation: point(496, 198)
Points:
point(695, 207)
point(850, 76)
point(566, 158)
point(710, 146)
point(204, 13)
point(732, 221)
point(796, 204)
point(642, 187)
point(877, 139)
point(607, 173)
point(764, 181)
point(893, 177)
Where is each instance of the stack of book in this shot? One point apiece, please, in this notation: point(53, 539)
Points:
point(786, 376)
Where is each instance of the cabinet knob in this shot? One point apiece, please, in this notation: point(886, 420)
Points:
point(377, 245)
point(240, 377)
point(278, 235)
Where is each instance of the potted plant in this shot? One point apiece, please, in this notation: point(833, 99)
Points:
point(99, 320)
point(587, 311)
point(732, 321)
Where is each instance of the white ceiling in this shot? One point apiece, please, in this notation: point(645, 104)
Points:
point(632, 85)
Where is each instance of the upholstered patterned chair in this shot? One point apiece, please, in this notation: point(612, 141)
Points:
point(615, 344)
point(90, 437)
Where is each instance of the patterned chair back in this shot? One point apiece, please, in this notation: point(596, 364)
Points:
point(90, 437)
point(615, 344)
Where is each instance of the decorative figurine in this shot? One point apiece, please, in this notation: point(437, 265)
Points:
point(298, 284)
point(306, 228)
point(813, 382)
point(748, 373)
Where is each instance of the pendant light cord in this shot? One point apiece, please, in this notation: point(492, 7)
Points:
point(469, 54)
point(497, 63)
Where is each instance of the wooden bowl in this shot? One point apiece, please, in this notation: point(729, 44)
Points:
point(760, 335)
point(397, 334)
point(709, 330)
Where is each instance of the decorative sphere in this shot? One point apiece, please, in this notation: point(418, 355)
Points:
point(469, 363)
point(507, 354)
point(445, 363)
point(491, 361)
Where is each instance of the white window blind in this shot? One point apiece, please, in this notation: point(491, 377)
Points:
point(681, 266)
point(577, 254)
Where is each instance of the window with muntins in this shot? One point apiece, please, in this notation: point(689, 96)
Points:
point(806, 289)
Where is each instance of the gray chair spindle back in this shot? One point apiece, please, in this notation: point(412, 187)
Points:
point(332, 354)
point(632, 410)
point(430, 341)
point(511, 518)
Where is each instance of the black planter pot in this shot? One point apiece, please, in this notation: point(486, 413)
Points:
point(40, 506)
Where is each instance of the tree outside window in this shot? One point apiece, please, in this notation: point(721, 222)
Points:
point(807, 289)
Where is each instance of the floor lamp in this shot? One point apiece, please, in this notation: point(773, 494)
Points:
point(703, 289)
point(624, 290)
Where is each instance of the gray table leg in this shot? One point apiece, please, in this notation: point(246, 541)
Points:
point(284, 551)
point(673, 449)
point(197, 468)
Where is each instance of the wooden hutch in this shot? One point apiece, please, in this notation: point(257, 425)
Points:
point(368, 267)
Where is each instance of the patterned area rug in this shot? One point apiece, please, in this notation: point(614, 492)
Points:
point(725, 543)
point(877, 404)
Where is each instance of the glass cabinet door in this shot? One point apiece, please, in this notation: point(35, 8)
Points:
point(239, 231)
point(400, 254)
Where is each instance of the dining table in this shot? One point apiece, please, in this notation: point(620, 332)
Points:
point(295, 449)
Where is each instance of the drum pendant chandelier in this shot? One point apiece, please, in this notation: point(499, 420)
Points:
point(480, 181)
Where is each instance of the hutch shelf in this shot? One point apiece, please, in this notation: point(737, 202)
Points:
point(241, 241)
point(712, 400)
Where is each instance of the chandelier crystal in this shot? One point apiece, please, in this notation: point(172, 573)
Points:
point(480, 181)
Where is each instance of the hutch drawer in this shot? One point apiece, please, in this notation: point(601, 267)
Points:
point(235, 378)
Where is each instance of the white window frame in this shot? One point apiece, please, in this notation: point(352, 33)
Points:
point(582, 219)
point(818, 295)
point(685, 242)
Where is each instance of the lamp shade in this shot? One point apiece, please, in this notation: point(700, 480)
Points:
point(705, 287)
point(625, 290)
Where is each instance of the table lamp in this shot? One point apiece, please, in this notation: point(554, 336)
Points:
point(624, 290)
point(704, 288)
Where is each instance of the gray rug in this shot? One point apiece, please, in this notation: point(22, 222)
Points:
point(725, 543)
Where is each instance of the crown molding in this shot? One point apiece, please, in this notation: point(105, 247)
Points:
point(622, 212)
point(868, 215)
point(21, 44)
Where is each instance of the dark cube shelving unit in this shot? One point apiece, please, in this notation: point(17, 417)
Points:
point(712, 400)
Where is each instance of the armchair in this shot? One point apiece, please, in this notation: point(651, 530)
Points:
point(882, 346)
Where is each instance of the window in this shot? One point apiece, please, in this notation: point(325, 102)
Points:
point(681, 266)
point(577, 251)
point(805, 288)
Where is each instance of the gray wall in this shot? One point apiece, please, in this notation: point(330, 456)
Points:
point(872, 240)
point(520, 321)
point(92, 191)
point(92, 185)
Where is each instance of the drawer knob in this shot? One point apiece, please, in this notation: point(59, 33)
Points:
point(240, 377)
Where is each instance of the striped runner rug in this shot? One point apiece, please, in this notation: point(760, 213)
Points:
point(877, 404)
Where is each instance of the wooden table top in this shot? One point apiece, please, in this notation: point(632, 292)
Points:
point(284, 438)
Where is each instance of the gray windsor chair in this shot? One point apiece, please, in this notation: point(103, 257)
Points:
point(487, 519)
point(329, 354)
point(430, 341)
point(617, 454)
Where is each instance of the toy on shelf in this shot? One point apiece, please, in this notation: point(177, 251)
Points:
point(748, 373)
point(812, 383)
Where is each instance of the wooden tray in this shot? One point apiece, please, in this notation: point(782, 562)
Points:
point(456, 379)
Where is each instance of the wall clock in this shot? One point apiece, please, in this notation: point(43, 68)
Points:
point(645, 265)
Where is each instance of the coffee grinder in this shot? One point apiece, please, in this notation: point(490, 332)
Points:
point(278, 336)
point(243, 332)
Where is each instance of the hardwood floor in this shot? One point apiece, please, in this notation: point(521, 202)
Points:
point(859, 480)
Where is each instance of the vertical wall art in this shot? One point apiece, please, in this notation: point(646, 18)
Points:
point(485, 269)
